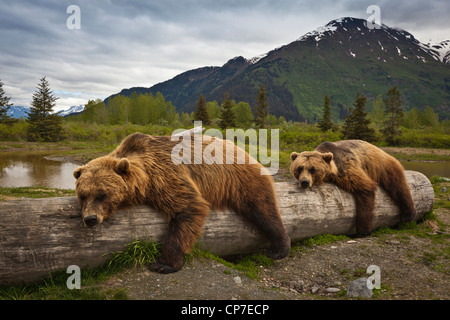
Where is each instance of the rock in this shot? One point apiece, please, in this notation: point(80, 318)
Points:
point(237, 280)
point(394, 242)
point(332, 290)
point(444, 189)
point(315, 289)
point(358, 288)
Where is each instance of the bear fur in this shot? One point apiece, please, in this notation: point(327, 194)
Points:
point(141, 172)
point(357, 167)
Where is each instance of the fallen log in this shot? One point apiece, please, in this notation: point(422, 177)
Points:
point(40, 236)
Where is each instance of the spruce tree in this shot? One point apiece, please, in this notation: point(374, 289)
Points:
point(4, 106)
point(201, 113)
point(394, 114)
point(325, 123)
point(44, 125)
point(357, 125)
point(261, 109)
point(227, 116)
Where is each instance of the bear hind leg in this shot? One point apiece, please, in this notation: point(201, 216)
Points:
point(264, 215)
point(395, 184)
point(363, 189)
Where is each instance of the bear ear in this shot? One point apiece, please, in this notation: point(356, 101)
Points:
point(294, 155)
point(327, 157)
point(122, 166)
point(77, 172)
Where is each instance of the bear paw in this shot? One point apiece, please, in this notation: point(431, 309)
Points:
point(280, 250)
point(160, 267)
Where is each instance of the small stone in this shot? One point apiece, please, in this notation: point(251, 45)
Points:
point(237, 280)
point(333, 247)
point(352, 241)
point(332, 290)
point(315, 289)
point(394, 242)
point(444, 189)
point(358, 288)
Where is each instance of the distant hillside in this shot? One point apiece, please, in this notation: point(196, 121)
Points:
point(340, 59)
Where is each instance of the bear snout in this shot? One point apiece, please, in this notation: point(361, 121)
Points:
point(304, 183)
point(91, 220)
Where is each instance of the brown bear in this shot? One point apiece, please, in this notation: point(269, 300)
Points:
point(357, 167)
point(141, 171)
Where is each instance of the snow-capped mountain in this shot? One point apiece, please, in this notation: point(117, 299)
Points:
point(71, 110)
point(340, 59)
point(357, 28)
point(18, 112)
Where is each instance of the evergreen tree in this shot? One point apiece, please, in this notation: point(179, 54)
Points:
point(201, 113)
point(4, 106)
point(325, 123)
point(356, 125)
point(44, 125)
point(394, 114)
point(227, 116)
point(261, 109)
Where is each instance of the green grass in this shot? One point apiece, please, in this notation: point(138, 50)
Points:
point(33, 192)
point(137, 253)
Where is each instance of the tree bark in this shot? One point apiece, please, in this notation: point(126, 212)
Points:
point(40, 236)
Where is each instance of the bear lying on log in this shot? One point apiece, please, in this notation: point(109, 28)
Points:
point(39, 236)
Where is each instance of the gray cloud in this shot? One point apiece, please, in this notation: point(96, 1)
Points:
point(140, 43)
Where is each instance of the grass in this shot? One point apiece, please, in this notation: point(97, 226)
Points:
point(33, 192)
point(137, 253)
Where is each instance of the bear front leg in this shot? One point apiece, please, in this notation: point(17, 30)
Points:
point(365, 204)
point(185, 227)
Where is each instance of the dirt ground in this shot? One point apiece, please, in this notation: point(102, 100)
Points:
point(412, 267)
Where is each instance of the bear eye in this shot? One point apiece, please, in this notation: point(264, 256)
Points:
point(100, 197)
point(299, 170)
point(312, 170)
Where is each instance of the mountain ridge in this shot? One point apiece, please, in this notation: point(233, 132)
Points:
point(18, 112)
point(339, 59)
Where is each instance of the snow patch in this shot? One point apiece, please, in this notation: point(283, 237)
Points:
point(319, 32)
point(257, 58)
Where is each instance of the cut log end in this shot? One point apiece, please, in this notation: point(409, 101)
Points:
point(40, 236)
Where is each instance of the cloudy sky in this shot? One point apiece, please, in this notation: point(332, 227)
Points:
point(122, 44)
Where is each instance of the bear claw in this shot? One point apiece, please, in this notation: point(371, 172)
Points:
point(160, 267)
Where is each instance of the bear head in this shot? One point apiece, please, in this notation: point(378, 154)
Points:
point(311, 167)
point(101, 188)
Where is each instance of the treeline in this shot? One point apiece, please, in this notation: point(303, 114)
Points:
point(387, 121)
point(149, 109)
point(140, 109)
point(110, 122)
